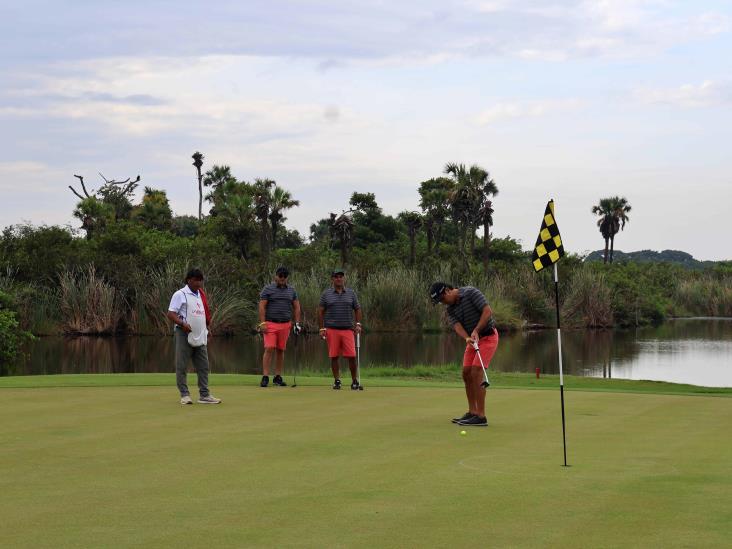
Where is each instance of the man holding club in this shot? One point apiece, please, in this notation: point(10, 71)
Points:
point(277, 303)
point(338, 306)
point(472, 319)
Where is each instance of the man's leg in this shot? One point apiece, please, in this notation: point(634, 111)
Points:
point(335, 368)
point(200, 361)
point(280, 361)
point(182, 356)
point(478, 391)
point(354, 369)
point(267, 360)
point(468, 389)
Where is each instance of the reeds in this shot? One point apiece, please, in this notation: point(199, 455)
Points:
point(705, 296)
point(88, 303)
point(588, 301)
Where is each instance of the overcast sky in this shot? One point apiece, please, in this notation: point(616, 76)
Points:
point(575, 100)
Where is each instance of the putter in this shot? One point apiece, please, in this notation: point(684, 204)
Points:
point(486, 383)
point(358, 361)
point(297, 362)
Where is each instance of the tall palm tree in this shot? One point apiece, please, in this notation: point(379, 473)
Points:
point(613, 212)
point(341, 227)
point(281, 200)
point(198, 163)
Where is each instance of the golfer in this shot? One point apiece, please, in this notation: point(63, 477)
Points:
point(472, 319)
point(338, 306)
point(188, 310)
point(277, 303)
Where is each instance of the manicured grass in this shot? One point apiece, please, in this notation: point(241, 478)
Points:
point(125, 465)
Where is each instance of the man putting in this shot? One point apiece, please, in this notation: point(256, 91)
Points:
point(277, 302)
point(469, 313)
point(188, 310)
point(338, 305)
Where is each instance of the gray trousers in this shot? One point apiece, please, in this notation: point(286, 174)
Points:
point(184, 353)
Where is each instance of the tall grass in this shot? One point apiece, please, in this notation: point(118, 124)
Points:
point(38, 307)
point(88, 303)
point(231, 309)
point(588, 302)
point(705, 296)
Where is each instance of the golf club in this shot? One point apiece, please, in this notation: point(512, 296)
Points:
point(358, 361)
point(294, 371)
point(485, 383)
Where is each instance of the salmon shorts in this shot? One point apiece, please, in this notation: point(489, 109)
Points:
point(340, 343)
point(487, 346)
point(276, 334)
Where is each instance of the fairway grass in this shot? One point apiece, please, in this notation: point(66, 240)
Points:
point(122, 464)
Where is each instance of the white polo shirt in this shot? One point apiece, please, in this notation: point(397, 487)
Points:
point(189, 308)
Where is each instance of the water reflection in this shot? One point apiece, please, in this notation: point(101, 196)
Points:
point(696, 351)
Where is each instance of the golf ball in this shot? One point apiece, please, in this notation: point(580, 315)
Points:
point(463, 433)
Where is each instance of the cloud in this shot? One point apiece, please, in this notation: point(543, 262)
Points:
point(707, 94)
point(525, 109)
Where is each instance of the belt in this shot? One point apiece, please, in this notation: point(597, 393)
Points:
point(277, 321)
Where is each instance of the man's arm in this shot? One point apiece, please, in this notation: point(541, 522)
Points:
point(459, 330)
point(296, 310)
point(262, 314)
point(173, 316)
point(358, 320)
point(485, 316)
point(321, 321)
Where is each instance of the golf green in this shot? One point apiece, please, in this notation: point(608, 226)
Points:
point(127, 466)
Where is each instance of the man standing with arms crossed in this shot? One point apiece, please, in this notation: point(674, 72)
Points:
point(472, 319)
point(277, 303)
point(335, 314)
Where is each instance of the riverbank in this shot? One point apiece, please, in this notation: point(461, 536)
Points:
point(384, 376)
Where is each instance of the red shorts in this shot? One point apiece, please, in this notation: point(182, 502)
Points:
point(487, 346)
point(276, 334)
point(340, 343)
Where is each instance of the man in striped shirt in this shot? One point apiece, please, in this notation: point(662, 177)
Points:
point(472, 319)
point(277, 303)
point(338, 306)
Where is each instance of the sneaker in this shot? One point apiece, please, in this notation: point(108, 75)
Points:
point(355, 386)
point(279, 381)
point(466, 415)
point(474, 421)
point(337, 384)
point(264, 382)
point(210, 399)
point(186, 399)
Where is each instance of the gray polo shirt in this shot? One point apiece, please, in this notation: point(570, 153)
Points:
point(468, 309)
point(279, 302)
point(339, 308)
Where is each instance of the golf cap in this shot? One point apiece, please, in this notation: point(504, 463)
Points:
point(282, 271)
point(338, 272)
point(436, 291)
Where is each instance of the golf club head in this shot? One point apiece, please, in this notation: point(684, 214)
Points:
point(485, 384)
point(360, 387)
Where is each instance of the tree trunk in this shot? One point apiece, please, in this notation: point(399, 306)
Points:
point(429, 229)
point(200, 195)
point(604, 260)
point(472, 240)
point(264, 241)
point(612, 245)
point(486, 245)
point(274, 235)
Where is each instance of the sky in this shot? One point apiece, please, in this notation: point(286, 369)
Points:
point(570, 100)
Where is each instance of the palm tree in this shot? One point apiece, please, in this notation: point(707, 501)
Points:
point(613, 212)
point(413, 221)
point(198, 163)
point(341, 227)
point(216, 178)
point(281, 200)
point(486, 216)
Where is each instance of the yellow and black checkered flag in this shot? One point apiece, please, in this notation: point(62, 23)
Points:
point(549, 247)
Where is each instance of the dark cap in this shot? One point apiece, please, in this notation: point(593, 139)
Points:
point(338, 272)
point(436, 291)
point(282, 271)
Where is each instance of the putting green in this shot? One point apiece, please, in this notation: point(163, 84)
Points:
point(125, 466)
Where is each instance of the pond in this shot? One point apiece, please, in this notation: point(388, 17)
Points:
point(696, 351)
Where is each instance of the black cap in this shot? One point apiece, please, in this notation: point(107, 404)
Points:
point(282, 271)
point(338, 272)
point(436, 291)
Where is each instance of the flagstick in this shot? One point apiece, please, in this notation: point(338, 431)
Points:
point(561, 373)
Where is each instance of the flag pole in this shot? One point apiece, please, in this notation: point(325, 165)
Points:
point(561, 373)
